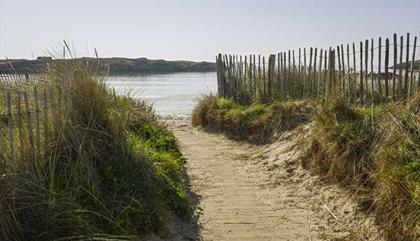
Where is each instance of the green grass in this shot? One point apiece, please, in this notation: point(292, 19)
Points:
point(110, 171)
point(375, 151)
point(256, 122)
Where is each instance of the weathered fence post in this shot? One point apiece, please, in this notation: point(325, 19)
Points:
point(30, 130)
point(219, 75)
point(372, 87)
point(37, 122)
point(411, 66)
point(271, 74)
point(361, 73)
point(394, 67)
point(10, 125)
point(379, 69)
point(407, 57)
point(386, 68)
point(366, 68)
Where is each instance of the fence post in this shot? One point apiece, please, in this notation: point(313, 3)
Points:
point(20, 124)
point(293, 73)
point(372, 88)
point(264, 79)
point(332, 69)
point(386, 68)
point(30, 130)
point(271, 74)
point(278, 74)
point(394, 68)
point(325, 72)
point(37, 122)
point(411, 66)
point(400, 78)
point(45, 120)
point(407, 57)
point(10, 125)
point(379, 69)
point(218, 73)
point(361, 73)
point(366, 68)
point(339, 68)
point(343, 69)
point(319, 74)
point(314, 89)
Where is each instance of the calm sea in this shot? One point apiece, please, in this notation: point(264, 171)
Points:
point(170, 94)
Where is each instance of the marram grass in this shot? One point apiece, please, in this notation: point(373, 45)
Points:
point(376, 152)
point(110, 171)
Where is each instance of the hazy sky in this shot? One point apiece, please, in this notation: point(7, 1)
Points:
point(196, 29)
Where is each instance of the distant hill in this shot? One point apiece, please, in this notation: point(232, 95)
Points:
point(416, 65)
point(117, 66)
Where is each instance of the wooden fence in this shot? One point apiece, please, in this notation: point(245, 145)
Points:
point(370, 72)
point(28, 115)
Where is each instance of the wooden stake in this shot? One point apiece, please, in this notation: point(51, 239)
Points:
point(407, 57)
point(319, 74)
point(314, 75)
point(354, 84)
point(343, 75)
point(372, 86)
point(400, 78)
point(20, 124)
point(361, 73)
point(37, 122)
point(310, 72)
point(394, 68)
point(386, 68)
point(305, 76)
point(366, 68)
point(379, 69)
point(411, 66)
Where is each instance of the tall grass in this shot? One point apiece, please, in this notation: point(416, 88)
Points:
point(376, 152)
point(110, 171)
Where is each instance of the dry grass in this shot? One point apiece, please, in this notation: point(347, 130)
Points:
point(376, 152)
point(109, 171)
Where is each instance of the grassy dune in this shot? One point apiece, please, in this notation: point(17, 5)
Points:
point(110, 172)
point(255, 123)
point(374, 151)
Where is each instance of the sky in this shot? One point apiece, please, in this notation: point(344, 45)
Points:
point(196, 29)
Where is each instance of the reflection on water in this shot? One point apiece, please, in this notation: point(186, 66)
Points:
point(170, 94)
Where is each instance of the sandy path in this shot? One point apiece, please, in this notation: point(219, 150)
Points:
point(259, 193)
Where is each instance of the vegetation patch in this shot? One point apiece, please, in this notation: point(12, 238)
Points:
point(107, 171)
point(376, 152)
point(255, 123)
